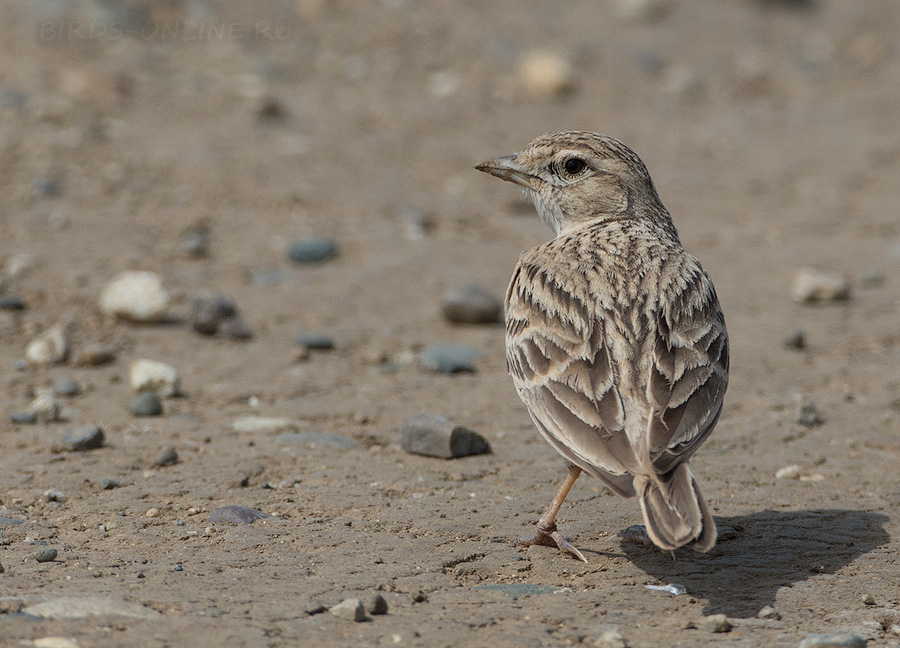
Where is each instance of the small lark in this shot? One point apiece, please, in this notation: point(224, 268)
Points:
point(614, 336)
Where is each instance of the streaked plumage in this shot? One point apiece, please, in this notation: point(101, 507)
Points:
point(615, 338)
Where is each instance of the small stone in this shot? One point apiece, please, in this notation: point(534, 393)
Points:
point(642, 11)
point(150, 375)
point(262, 424)
point(809, 415)
point(50, 348)
point(545, 73)
point(47, 187)
point(178, 567)
point(609, 637)
point(449, 358)
point(867, 599)
point(235, 515)
point(10, 604)
point(789, 472)
point(152, 512)
point(472, 304)
point(435, 436)
point(814, 286)
point(45, 554)
point(314, 607)
point(195, 241)
point(236, 329)
point(146, 404)
point(832, 641)
point(95, 354)
point(317, 341)
point(55, 642)
point(351, 609)
point(136, 296)
point(46, 408)
point(11, 303)
point(2, 569)
point(88, 437)
point(23, 418)
point(167, 457)
point(795, 339)
point(715, 623)
point(209, 311)
point(66, 387)
point(109, 484)
point(768, 612)
point(312, 250)
point(55, 495)
point(377, 605)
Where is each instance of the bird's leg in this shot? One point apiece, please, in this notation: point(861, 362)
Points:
point(547, 533)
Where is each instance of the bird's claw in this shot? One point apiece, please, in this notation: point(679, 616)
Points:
point(551, 537)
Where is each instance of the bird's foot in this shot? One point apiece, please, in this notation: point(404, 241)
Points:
point(551, 537)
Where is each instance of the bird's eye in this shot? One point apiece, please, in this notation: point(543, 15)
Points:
point(574, 165)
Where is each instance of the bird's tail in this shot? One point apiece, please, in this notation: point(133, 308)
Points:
point(675, 512)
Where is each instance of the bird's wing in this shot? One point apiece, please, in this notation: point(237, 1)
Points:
point(561, 367)
point(689, 370)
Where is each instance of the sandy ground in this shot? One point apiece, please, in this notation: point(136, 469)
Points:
point(770, 129)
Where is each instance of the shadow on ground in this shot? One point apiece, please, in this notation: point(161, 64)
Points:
point(760, 553)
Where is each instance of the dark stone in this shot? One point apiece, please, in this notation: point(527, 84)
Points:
point(236, 515)
point(795, 339)
point(47, 187)
point(318, 341)
point(809, 415)
point(312, 250)
point(236, 329)
point(435, 436)
point(109, 484)
point(88, 437)
point(146, 404)
point(25, 418)
point(377, 605)
point(45, 554)
point(449, 358)
point(12, 303)
point(66, 387)
point(472, 304)
point(168, 457)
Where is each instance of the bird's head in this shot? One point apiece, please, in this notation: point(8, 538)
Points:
point(574, 177)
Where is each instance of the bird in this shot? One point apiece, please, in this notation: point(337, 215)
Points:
point(615, 339)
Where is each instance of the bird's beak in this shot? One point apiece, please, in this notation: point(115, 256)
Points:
point(510, 169)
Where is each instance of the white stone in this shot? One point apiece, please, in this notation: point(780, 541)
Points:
point(545, 73)
point(52, 347)
point(262, 424)
point(789, 472)
point(351, 609)
point(46, 408)
point(135, 295)
point(150, 375)
point(812, 286)
point(55, 642)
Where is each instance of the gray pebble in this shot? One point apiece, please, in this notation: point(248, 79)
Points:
point(472, 304)
point(66, 387)
point(351, 609)
point(23, 417)
point(88, 437)
point(11, 303)
point(318, 341)
point(314, 607)
point(46, 187)
point(267, 277)
point(236, 515)
point(809, 415)
point(195, 241)
point(109, 484)
point(95, 355)
point(45, 554)
point(795, 339)
point(833, 641)
point(235, 328)
point(178, 567)
point(715, 623)
point(147, 403)
point(168, 457)
point(449, 358)
point(435, 436)
point(204, 316)
point(377, 605)
point(312, 250)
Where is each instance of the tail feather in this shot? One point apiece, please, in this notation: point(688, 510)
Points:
point(675, 512)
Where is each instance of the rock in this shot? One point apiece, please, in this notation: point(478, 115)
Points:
point(46, 408)
point(135, 296)
point(45, 554)
point(46, 187)
point(209, 311)
point(55, 642)
point(377, 605)
point(795, 339)
point(167, 457)
point(435, 436)
point(642, 11)
point(66, 387)
point(768, 612)
point(23, 418)
point(236, 329)
point(472, 304)
point(81, 439)
point(109, 484)
point(150, 375)
point(235, 515)
point(79, 607)
point(867, 599)
point(146, 404)
point(833, 641)
point(312, 250)
point(449, 358)
point(351, 609)
point(546, 74)
point(314, 607)
point(317, 438)
point(2, 569)
point(95, 354)
point(715, 623)
point(813, 286)
point(11, 303)
point(809, 415)
point(609, 637)
point(262, 424)
point(318, 341)
point(10, 604)
point(50, 348)
point(195, 241)
point(789, 472)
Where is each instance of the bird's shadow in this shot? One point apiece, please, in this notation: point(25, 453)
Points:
point(760, 553)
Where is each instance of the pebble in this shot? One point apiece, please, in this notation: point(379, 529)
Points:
point(46, 408)
point(46, 187)
point(109, 484)
point(794, 339)
point(236, 329)
point(768, 612)
point(52, 347)
point(314, 607)
point(351, 609)
point(435, 436)
point(11, 303)
point(236, 515)
point(545, 73)
point(833, 641)
point(642, 11)
point(317, 341)
point(209, 311)
point(317, 438)
point(95, 354)
point(137, 296)
point(809, 415)
point(312, 250)
point(472, 304)
point(88, 437)
point(195, 241)
point(55, 642)
point(261, 424)
point(66, 387)
point(24, 418)
point(10, 604)
point(814, 286)
point(377, 605)
point(609, 637)
point(79, 607)
point(167, 457)
point(45, 554)
point(867, 599)
point(715, 623)
point(146, 404)
point(2, 569)
point(150, 375)
point(789, 472)
point(449, 358)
